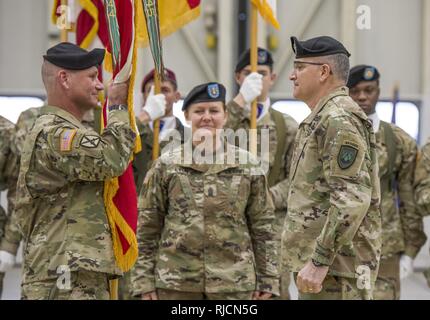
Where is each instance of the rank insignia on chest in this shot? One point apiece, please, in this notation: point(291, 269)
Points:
point(90, 141)
point(66, 139)
point(346, 156)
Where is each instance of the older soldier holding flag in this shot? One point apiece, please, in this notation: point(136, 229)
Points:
point(68, 250)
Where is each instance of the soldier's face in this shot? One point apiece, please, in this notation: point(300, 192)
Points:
point(170, 92)
point(366, 94)
point(206, 116)
point(85, 87)
point(305, 76)
point(268, 79)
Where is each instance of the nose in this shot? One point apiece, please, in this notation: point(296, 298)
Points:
point(293, 76)
point(362, 96)
point(99, 85)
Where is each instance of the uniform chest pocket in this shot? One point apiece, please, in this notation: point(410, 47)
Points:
point(227, 195)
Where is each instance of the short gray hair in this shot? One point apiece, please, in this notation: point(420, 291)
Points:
point(339, 64)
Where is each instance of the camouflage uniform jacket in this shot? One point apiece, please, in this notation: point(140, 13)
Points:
point(205, 228)
point(26, 120)
point(7, 163)
point(333, 203)
point(237, 119)
point(60, 210)
point(422, 180)
point(402, 225)
point(143, 160)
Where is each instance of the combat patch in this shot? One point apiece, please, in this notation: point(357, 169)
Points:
point(90, 141)
point(66, 139)
point(346, 156)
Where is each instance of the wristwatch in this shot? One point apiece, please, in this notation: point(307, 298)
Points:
point(318, 264)
point(118, 107)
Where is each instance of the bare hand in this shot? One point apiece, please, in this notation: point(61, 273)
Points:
point(261, 295)
point(150, 296)
point(117, 93)
point(310, 278)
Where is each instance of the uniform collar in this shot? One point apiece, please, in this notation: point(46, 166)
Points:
point(62, 114)
point(341, 91)
point(375, 121)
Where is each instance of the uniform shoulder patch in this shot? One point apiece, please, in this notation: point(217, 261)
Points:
point(66, 139)
point(90, 141)
point(347, 155)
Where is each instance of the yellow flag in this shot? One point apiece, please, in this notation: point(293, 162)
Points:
point(267, 9)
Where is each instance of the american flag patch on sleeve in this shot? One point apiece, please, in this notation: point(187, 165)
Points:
point(66, 139)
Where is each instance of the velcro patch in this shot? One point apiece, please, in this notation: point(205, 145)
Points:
point(66, 139)
point(90, 141)
point(346, 156)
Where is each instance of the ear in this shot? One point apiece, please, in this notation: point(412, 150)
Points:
point(64, 79)
point(177, 96)
point(273, 77)
point(237, 77)
point(225, 117)
point(187, 115)
point(325, 72)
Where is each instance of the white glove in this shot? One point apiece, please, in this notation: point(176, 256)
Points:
point(155, 105)
point(7, 261)
point(406, 266)
point(251, 87)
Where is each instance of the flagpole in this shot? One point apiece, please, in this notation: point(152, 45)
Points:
point(156, 123)
point(253, 52)
point(395, 101)
point(64, 37)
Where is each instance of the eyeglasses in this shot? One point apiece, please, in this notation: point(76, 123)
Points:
point(368, 91)
point(298, 65)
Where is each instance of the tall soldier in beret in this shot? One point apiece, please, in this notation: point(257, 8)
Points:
point(60, 210)
point(206, 221)
point(332, 233)
point(281, 127)
point(402, 224)
point(7, 164)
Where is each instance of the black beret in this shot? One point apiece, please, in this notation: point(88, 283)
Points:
point(360, 73)
point(317, 47)
point(207, 92)
point(70, 56)
point(264, 57)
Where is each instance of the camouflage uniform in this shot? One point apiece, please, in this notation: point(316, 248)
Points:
point(333, 202)
point(205, 228)
point(26, 120)
point(141, 164)
point(60, 209)
point(278, 181)
point(422, 187)
point(402, 224)
point(7, 162)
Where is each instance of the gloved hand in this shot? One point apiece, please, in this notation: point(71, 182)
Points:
point(406, 266)
point(155, 105)
point(251, 87)
point(7, 261)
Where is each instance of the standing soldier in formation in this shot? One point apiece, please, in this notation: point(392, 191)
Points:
point(282, 131)
point(60, 210)
point(402, 224)
point(422, 187)
point(7, 165)
point(206, 227)
point(332, 233)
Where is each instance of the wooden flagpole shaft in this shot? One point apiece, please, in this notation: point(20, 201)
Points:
point(253, 124)
point(156, 124)
point(64, 37)
point(113, 286)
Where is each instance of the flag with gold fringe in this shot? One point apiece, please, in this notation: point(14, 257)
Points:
point(267, 9)
point(120, 193)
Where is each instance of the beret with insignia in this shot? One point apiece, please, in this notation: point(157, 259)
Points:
point(206, 92)
point(169, 75)
point(362, 73)
point(70, 56)
point(317, 47)
point(264, 57)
